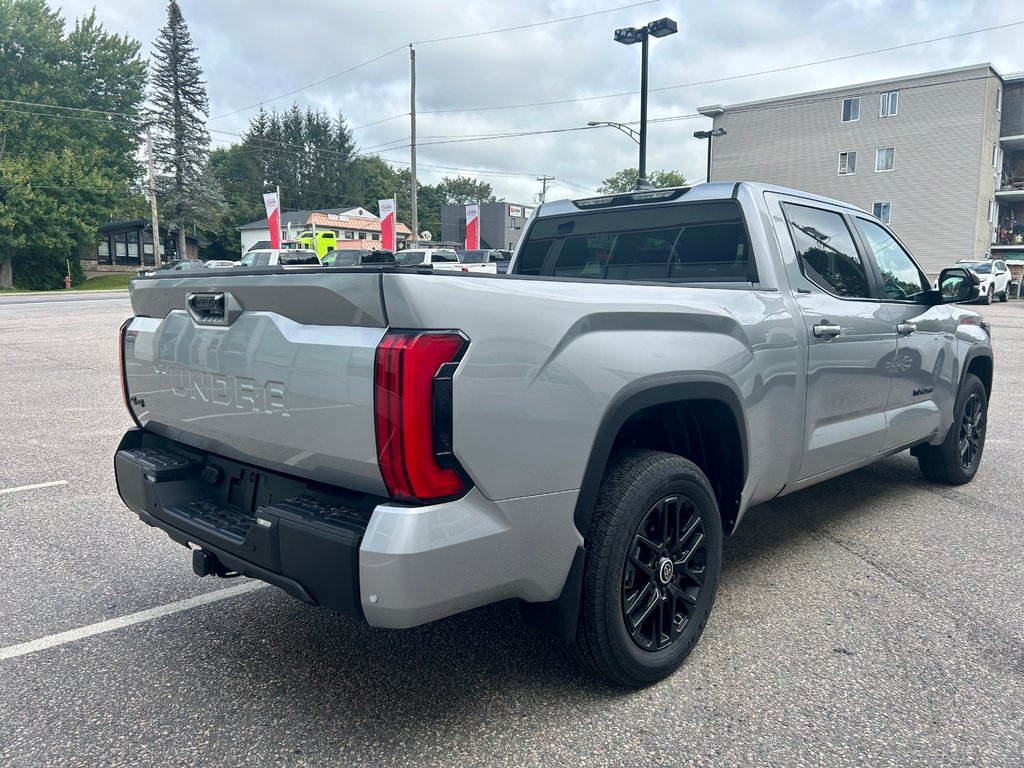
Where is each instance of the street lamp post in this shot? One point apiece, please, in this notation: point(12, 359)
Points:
point(621, 126)
point(629, 36)
point(709, 135)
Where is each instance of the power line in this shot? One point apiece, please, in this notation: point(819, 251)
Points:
point(529, 26)
point(423, 42)
point(723, 79)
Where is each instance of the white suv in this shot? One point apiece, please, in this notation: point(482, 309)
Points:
point(994, 276)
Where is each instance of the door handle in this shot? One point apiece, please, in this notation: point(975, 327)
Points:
point(826, 331)
point(905, 329)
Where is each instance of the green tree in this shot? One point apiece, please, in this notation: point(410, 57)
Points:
point(181, 143)
point(69, 133)
point(465, 190)
point(625, 180)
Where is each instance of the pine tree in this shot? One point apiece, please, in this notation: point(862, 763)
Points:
point(181, 142)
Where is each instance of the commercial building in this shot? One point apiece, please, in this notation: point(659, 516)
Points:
point(355, 227)
point(939, 156)
point(501, 224)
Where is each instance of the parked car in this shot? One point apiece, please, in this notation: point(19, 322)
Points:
point(219, 264)
point(499, 258)
point(438, 257)
point(353, 258)
point(177, 265)
point(994, 277)
point(273, 257)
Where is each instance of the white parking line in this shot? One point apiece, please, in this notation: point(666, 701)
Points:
point(62, 638)
point(32, 487)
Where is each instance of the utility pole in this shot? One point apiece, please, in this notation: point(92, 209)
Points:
point(152, 201)
point(544, 187)
point(412, 148)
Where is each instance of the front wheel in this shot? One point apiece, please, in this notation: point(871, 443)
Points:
point(957, 459)
point(654, 555)
point(987, 298)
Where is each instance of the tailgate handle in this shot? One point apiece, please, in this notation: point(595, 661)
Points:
point(218, 308)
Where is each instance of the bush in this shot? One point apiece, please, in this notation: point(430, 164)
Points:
point(45, 271)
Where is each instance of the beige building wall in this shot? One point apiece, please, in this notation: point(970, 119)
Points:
point(942, 134)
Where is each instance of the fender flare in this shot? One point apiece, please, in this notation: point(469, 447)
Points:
point(645, 393)
point(559, 616)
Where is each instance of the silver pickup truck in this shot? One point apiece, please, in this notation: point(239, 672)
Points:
point(578, 434)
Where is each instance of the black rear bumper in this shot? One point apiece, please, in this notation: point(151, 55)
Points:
point(283, 530)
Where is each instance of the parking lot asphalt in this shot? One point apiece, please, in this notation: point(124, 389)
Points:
point(875, 619)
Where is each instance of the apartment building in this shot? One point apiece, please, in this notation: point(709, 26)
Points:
point(924, 153)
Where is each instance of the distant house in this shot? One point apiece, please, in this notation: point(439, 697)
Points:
point(353, 226)
point(127, 246)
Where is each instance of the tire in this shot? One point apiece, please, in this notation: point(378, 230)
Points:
point(957, 459)
point(655, 543)
point(987, 298)
point(1004, 296)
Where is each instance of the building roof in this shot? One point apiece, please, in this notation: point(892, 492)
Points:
point(296, 218)
point(851, 89)
point(351, 222)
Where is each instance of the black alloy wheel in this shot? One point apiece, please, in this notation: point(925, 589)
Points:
point(955, 461)
point(653, 559)
point(664, 573)
point(971, 437)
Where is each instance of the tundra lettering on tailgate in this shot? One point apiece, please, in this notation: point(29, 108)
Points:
point(235, 392)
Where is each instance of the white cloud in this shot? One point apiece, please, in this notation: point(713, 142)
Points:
point(252, 52)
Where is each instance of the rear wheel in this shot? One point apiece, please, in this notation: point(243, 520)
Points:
point(1004, 295)
point(957, 459)
point(987, 298)
point(654, 554)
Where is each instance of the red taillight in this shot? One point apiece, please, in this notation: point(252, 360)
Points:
point(407, 450)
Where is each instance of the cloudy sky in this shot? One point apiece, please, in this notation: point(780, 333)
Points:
point(568, 72)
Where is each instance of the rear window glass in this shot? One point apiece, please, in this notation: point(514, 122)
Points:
point(262, 259)
point(699, 242)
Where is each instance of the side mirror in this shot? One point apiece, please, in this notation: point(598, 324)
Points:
point(958, 285)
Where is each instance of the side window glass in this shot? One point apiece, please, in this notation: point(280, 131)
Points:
point(825, 251)
point(901, 279)
point(262, 259)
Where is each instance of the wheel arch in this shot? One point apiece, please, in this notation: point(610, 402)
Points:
point(559, 616)
point(654, 396)
point(979, 362)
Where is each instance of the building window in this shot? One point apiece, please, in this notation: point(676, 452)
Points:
point(851, 109)
point(375, 235)
point(350, 235)
point(847, 163)
point(999, 99)
point(889, 104)
point(103, 252)
point(881, 211)
point(885, 159)
point(362, 235)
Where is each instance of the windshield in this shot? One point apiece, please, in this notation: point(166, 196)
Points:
point(981, 267)
point(410, 257)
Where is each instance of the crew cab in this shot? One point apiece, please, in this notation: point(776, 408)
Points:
point(579, 434)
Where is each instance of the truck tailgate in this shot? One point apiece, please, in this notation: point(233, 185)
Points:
point(273, 369)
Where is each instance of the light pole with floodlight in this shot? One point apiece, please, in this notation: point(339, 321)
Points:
point(629, 36)
point(709, 135)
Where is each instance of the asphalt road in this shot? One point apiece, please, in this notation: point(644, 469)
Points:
point(873, 620)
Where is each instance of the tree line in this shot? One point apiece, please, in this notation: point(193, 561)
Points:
point(78, 107)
